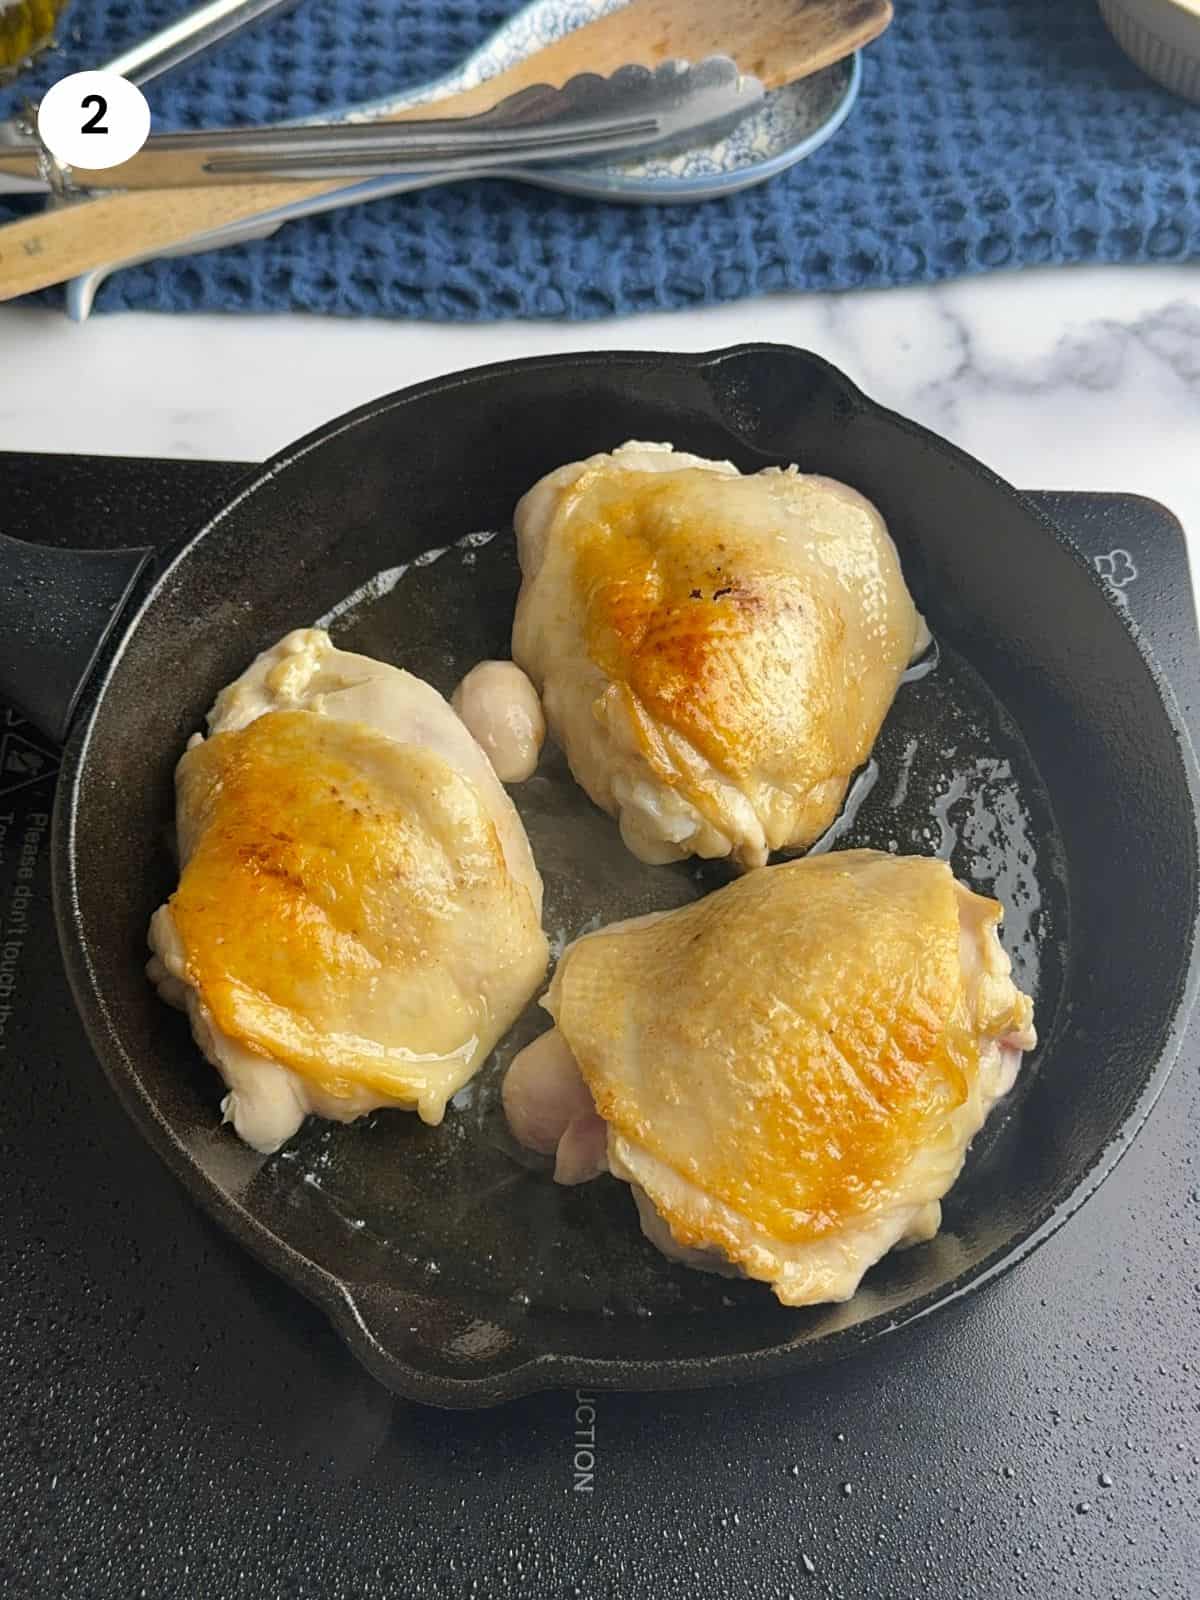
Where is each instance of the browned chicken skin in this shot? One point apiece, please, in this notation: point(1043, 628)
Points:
point(838, 1029)
point(716, 653)
point(358, 917)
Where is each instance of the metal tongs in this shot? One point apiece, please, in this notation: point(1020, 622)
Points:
point(635, 108)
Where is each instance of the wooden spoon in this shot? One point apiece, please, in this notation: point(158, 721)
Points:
point(779, 41)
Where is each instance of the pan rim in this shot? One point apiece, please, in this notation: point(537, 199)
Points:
point(534, 1370)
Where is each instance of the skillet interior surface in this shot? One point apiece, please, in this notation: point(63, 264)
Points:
point(1038, 756)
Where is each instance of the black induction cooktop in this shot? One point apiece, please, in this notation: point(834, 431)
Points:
point(175, 1422)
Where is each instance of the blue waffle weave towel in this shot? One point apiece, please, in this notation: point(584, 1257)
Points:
point(989, 133)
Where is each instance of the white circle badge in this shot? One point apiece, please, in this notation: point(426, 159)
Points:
point(93, 120)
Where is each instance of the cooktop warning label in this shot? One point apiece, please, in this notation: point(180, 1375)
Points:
point(23, 757)
point(28, 764)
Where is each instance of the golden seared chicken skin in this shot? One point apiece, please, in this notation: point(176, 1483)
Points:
point(358, 916)
point(839, 1028)
point(715, 652)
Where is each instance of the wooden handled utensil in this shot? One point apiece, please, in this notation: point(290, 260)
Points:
point(778, 41)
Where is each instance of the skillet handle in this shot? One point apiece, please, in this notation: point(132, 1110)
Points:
point(57, 610)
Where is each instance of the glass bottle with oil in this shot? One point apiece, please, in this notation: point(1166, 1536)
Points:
point(26, 26)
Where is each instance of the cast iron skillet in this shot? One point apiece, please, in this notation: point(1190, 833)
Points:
point(1043, 756)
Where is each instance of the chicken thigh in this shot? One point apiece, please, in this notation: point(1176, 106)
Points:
point(839, 1028)
point(715, 652)
point(358, 916)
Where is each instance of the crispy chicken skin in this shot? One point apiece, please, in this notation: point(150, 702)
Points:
point(838, 1029)
point(358, 913)
point(715, 652)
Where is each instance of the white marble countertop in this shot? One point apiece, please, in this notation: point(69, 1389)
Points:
point(1079, 379)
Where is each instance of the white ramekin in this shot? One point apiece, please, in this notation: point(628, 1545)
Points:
point(1162, 37)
